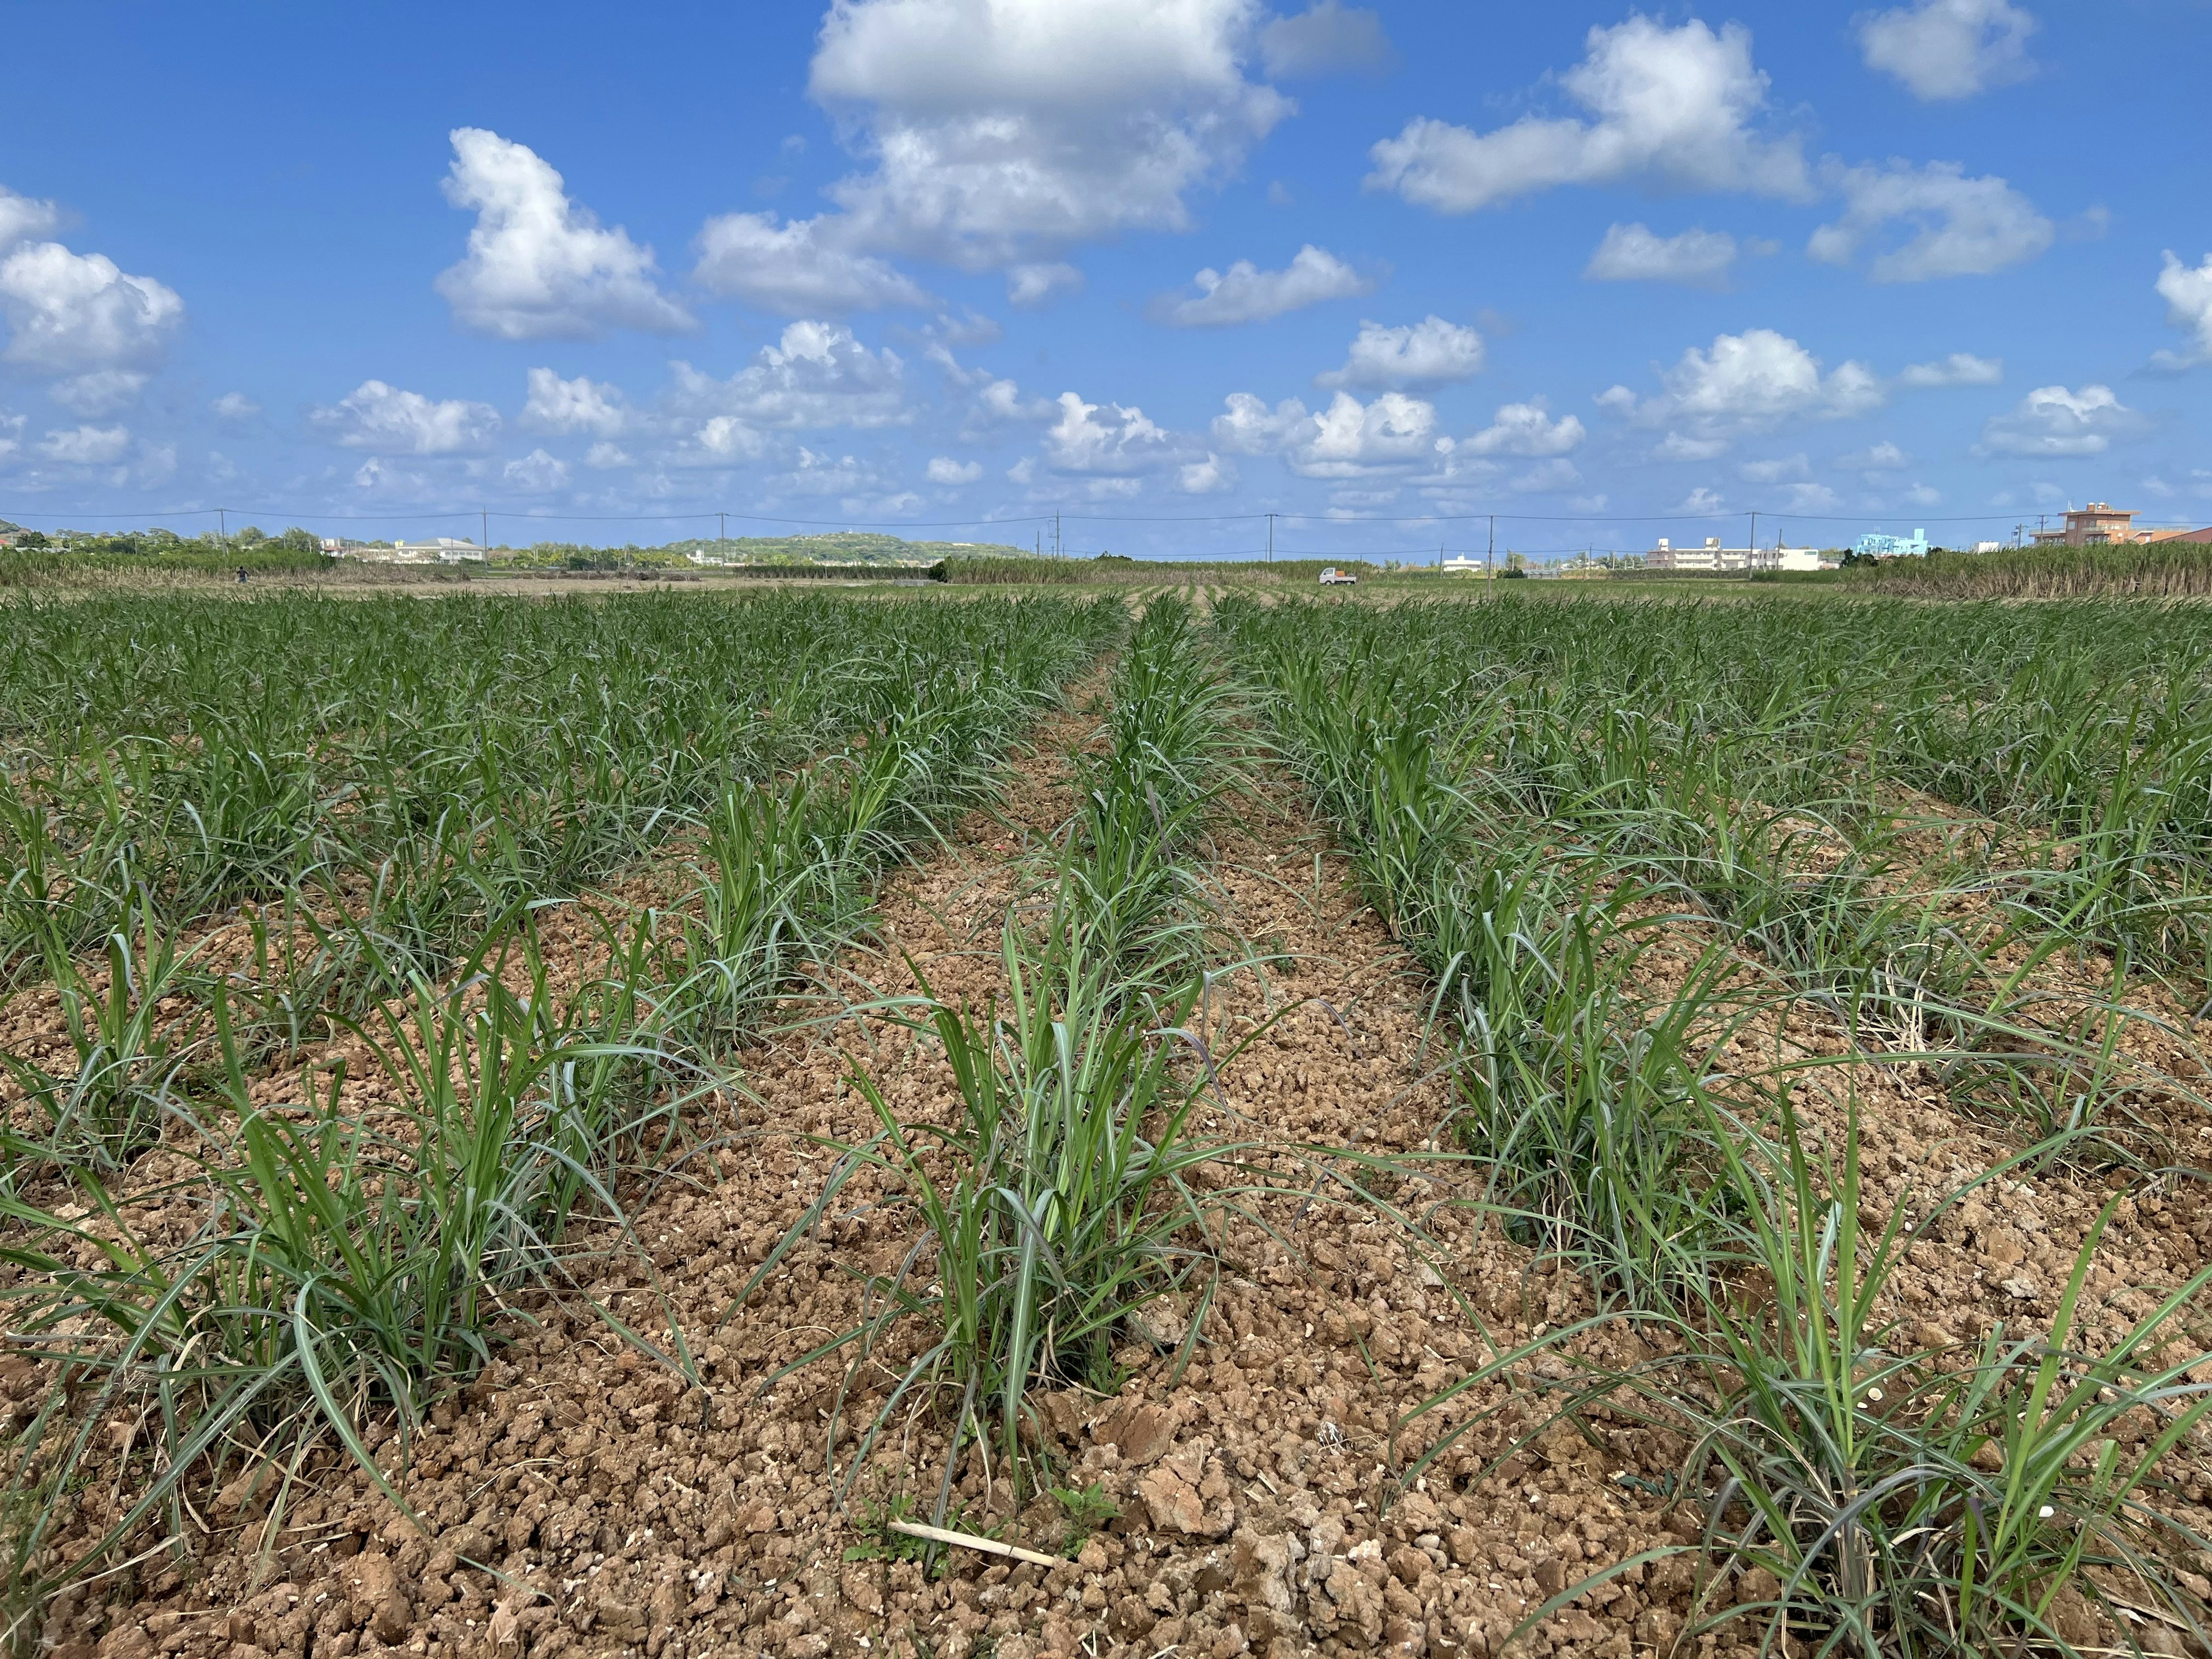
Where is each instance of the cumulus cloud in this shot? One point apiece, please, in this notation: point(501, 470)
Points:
point(2051, 420)
point(1347, 439)
point(88, 446)
point(1948, 48)
point(78, 314)
point(1744, 382)
point(799, 268)
point(1959, 368)
point(100, 392)
point(1884, 457)
point(579, 405)
point(1207, 477)
point(1527, 430)
point(234, 406)
point(1032, 285)
point(996, 130)
point(1632, 253)
point(1248, 426)
point(1325, 39)
point(944, 470)
point(383, 418)
point(23, 217)
point(817, 376)
point(1245, 293)
point(540, 265)
point(1430, 353)
point(1777, 470)
point(1109, 439)
point(1963, 227)
point(536, 474)
point(2188, 295)
point(1350, 438)
point(1672, 106)
point(605, 456)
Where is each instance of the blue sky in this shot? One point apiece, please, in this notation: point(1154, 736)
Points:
point(1158, 266)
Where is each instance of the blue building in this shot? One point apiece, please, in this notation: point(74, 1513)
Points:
point(1875, 545)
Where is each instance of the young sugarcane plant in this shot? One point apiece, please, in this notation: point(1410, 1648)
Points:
point(1058, 1205)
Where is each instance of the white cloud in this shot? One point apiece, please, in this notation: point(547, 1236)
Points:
point(1109, 439)
point(1631, 253)
point(1702, 500)
point(100, 392)
point(1032, 285)
point(22, 217)
point(1805, 497)
point(1347, 439)
point(797, 268)
point(723, 438)
point(1681, 447)
point(1670, 106)
point(536, 474)
point(579, 405)
point(1746, 382)
point(815, 375)
point(1921, 494)
point(1245, 293)
point(1325, 39)
point(88, 446)
point(1777, 470)
point(1526, 429)
point(75, 313)
point(944, 470)
point(2188, 295)
point(235, 406)
point(539, 265)
point(1250, 428)
point(383, 418)
point(1965, 227)
point(2053, 421)
point(1350, 438)
point(1959, 368)
point(999, 130)
point(603, 457)
point(1948, 48)
point(1207, 477)
point(1432, 352)
point(375, 473)
point(1884, 457)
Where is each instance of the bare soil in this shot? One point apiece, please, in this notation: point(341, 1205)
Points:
point(1249, 1504)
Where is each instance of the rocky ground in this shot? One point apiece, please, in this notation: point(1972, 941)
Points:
point(579, 1497)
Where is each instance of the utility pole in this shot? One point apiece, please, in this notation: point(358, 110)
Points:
point(1752, 552)
point(484, 515)
point(1490, 557)
point(1059, 543)
point(1271, 538)
point(722, 538)
point(2018, 531)
point(222, 525)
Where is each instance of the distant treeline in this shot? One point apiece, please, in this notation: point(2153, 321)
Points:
point(2164, 570)
point(1145, 572)
point(35, 557)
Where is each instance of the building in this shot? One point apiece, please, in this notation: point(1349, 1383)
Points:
point(1714, 559)
point(444, 550)
point(2094, 526)
point(1459, 565)
point(1875, 545)
point(2204, 535)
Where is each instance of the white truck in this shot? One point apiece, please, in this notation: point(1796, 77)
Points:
point(1331, 577)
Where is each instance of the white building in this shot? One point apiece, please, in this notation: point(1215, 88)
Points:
point(444, 550)
point(1714, 559)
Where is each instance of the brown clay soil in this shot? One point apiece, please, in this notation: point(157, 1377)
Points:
point(1252, 1503)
